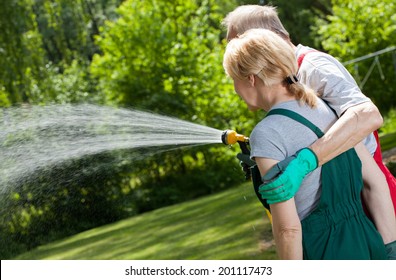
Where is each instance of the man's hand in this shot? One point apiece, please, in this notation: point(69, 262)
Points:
point(283, 180)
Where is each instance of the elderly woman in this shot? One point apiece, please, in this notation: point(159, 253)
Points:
point(325, 219)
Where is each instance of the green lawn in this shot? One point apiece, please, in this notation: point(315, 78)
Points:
point(228, 225)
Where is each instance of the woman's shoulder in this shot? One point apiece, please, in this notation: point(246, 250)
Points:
point(321, 115)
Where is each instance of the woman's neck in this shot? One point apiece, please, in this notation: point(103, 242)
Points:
point(277, 94)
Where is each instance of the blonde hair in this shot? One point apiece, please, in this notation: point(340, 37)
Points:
point(262, 53)
point(247, 17)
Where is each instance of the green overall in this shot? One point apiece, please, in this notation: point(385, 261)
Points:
point(338, 228)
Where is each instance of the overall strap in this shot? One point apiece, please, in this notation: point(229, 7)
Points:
point(297, 118)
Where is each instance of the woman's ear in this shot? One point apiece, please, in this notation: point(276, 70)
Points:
point(252, 80)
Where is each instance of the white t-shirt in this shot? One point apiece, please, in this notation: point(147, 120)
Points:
point(333, 83)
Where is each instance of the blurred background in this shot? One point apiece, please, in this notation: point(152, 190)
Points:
point(162, 56)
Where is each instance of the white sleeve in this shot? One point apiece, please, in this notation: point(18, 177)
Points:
point(332, 81)
point(334, 84)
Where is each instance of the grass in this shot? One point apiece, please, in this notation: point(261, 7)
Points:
point(228, 225)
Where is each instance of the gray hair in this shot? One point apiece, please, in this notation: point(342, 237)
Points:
point(247, 17)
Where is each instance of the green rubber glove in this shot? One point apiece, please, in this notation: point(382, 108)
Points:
point(391, 250)
point(284, 179)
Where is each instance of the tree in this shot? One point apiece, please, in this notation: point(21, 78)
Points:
point(21, 55)
point(164, 56)
point(299, 16)
point(46, 47)
point(357, 28)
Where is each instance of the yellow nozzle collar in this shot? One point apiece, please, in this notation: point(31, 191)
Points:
point(230, 137)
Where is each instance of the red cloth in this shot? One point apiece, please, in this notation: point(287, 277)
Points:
point(388, 175)
point(301, 57)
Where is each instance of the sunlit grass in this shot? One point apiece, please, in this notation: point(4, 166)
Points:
point(227, 225)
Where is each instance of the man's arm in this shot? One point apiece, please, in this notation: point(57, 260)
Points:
point(286, 225)
point(350, 129)
point(376, 196)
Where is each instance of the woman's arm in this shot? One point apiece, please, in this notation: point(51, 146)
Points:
point(286, 225)
point(286, 228)
point(376, 196)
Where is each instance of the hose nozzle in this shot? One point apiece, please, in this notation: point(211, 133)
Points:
point(230, 137)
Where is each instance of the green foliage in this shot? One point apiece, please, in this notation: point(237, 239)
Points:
point(21, 54)
point(388, 141)
point(358, 28)
point(68, 27)
point(49, 62)
point(181, 175)
point(392, 168)
point(356, 23)
point(389, 125)
point(72, 84)
point(299, 16)
point(174, 67)
point(162, 56)
point(4, 99)
point(45, 42)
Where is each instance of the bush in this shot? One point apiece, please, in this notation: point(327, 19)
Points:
point(392, 167)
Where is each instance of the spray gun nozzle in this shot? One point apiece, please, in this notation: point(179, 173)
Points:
point(230, 137)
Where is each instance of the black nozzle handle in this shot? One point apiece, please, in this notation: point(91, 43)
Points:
point(244, 148)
